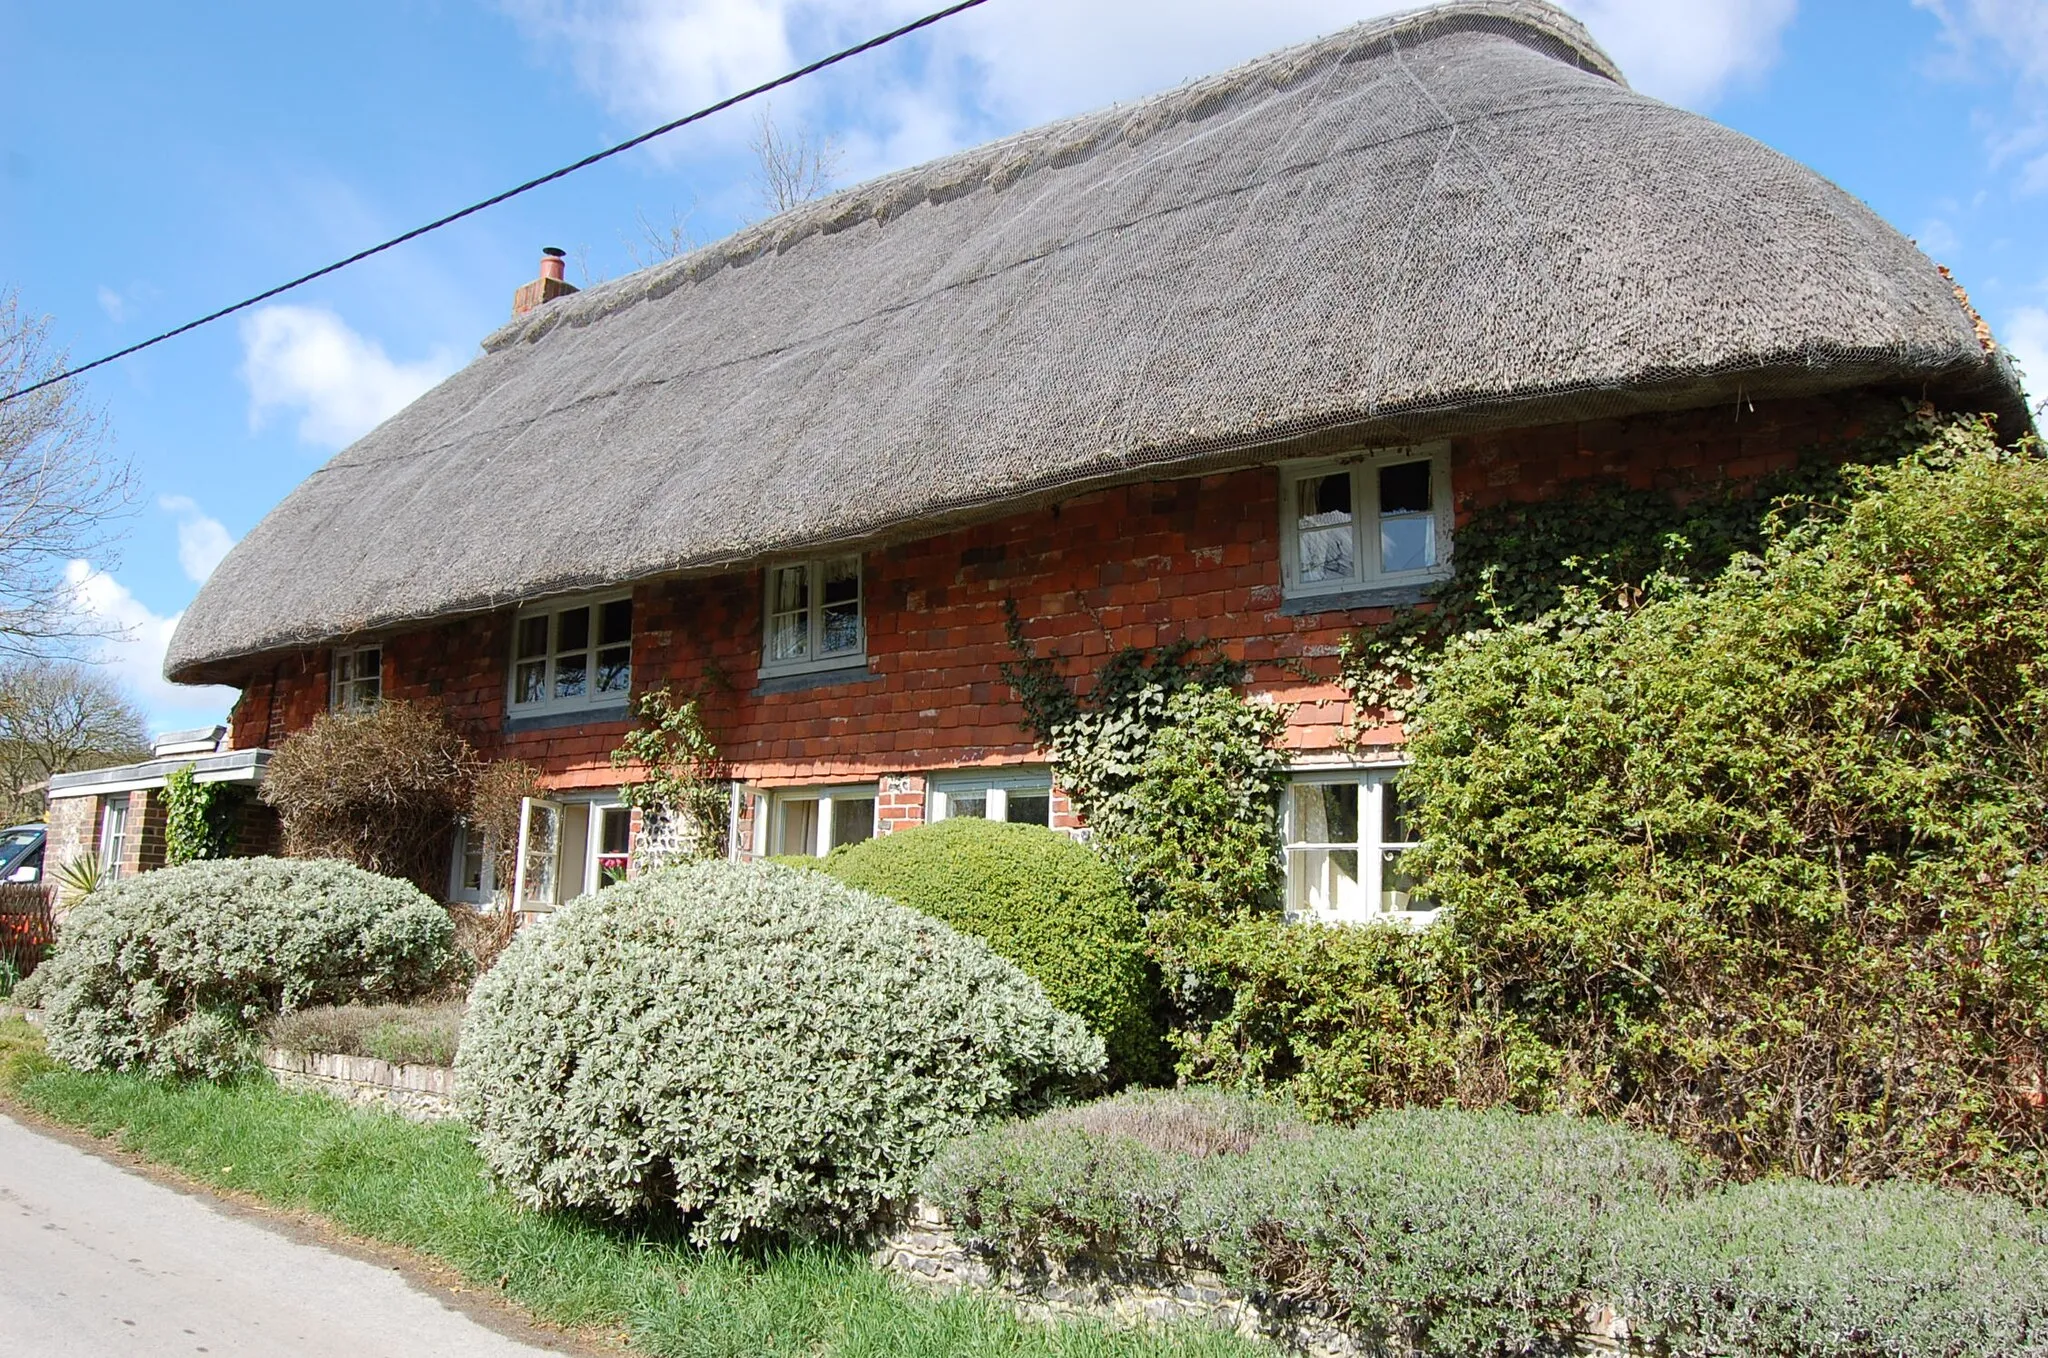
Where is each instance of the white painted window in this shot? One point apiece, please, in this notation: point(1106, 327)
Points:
point(358, 679)
point(1347, 835)
point(611, 845)
point(473, 868)
point(113, 834)
point(1367, 521)
point(1020, 797)
point(813, 821)
point(813, 617)
point(567, 656)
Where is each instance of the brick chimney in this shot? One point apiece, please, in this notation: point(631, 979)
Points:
point(544, 289)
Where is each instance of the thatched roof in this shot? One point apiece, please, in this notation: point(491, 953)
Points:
point(1454, 219)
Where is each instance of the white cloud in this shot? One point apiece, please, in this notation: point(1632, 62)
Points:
point(308, 359)
point(115, 305)
point(134, 651)
point(2025, 337)
point(1009, 66)
point(2007, 37)
point(1937, 238)
point(202, 539)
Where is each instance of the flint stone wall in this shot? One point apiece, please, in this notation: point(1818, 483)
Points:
point(418, 1093)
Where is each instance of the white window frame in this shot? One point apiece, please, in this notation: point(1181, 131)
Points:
point(769, 808)
point(486, 892)
point(813, 661)
point(113, 834)
point(1363, 469)
point(345, 695)
point(593, 874)
point(1372, 782)
point(995, 784)
point(589, 698)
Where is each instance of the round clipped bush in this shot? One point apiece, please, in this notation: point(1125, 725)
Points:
point(1041, 900)
point(168, 971)
point(759, 1051)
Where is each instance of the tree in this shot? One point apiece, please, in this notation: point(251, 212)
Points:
point(791, 168)
point(58, 717)
point(60, 489)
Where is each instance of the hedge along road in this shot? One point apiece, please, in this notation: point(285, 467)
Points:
point(97, 1261)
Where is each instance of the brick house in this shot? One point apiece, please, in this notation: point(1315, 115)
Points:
point(1228, 363)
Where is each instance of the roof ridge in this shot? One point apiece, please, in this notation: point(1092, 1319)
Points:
point(1538, 24)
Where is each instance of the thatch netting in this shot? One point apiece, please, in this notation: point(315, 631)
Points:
point(1455, 219)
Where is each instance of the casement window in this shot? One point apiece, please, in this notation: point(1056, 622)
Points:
point(113, 842)
point(1372, 521)
point(814, 619)
point(1347, 836)
point(567, 849)
point(1018, 797)
point(357, 681)
point(473, 867)
point(567, 656)
point(813, 821)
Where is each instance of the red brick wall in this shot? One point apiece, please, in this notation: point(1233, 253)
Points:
point(1134, 565)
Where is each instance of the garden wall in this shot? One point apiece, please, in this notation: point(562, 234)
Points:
point(420, 1093)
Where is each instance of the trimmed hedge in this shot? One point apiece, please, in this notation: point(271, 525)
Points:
point(758, 1051)
point(1041, 900)
point(168, 971)
point(1443, 1232)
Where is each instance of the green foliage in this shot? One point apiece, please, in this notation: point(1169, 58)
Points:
point(1042, 901)
point(403, 1034)
point(167, 971)
point(1436, 1232)
point(424, 1188)
point(199, 818)
point(381, 788)
point(684, 796)
point(1798, 1268)
point(748, 1051)
point(1176, 774)
point(82, 875)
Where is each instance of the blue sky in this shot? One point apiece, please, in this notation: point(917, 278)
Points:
point(157, 161)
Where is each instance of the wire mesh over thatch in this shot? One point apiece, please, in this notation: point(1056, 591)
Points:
point(1456, 219)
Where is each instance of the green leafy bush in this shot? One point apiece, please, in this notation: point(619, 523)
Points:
point(756, 1050)
point(1042, 901)
point(167, 971)
point(403, 1034)
point(199, 818)
point(1808, 1269)
point(1440, 1232)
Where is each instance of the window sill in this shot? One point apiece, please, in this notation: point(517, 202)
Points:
point(1374, 596)
point(805, 680)
point(568, 716)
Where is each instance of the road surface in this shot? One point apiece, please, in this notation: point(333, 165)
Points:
point(99, 1262)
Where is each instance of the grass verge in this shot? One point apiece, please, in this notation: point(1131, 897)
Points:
point(423, 1187)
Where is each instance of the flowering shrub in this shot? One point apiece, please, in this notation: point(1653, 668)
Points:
point(756, 1050)
point(168, 971)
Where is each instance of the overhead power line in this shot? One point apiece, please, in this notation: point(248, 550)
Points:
point(880, 40)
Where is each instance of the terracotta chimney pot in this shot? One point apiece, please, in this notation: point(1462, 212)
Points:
point(550, 285)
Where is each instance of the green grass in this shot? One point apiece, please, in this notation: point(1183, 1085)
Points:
point(423, 1187)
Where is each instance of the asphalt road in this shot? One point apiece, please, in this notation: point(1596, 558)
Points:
point(96, 1261)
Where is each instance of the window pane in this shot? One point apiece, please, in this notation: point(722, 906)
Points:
point(1397, 888)
point(1030, 808)
point(573, 632)
point(533, 637)
point(972, 805)
point(572, 672)
point(615, 624)
point(1407, 544)
point(797, 830)
point(615, 830)
point(789, 636)
point(842, 629)
point(1404, 488)
point(1325, 813)
point(792, 589)
point(853, 820)
point(1394, 826)
point(1323, 527)
point(543, 837)
point(614, 670)
point(530, 681)
point(842, 581)
point(1325, 882)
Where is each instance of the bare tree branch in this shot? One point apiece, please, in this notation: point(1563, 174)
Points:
point(661, 240)
point(791, 168)
point(60, 490)
point(58, 717)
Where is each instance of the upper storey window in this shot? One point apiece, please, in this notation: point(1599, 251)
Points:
point(814, 618)
point(572, 655)
point(357, 680)
point(1363, 522)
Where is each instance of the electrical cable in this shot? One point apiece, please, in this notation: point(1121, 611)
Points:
point(880, 40)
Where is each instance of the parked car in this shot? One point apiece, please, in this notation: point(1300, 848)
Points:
point(21, 853)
